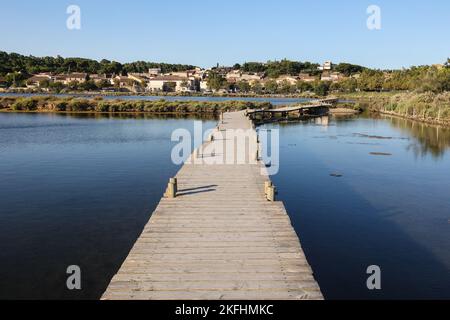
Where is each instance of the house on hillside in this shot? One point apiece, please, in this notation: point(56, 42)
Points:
point(154, 72)
point(125, 83)
point(172, 83)
point(37, 80)
point(72, 77)
point(187, 73)
point(222, 71)
point(236, 75)
point(98, 78)
point(76, 77)
point(331, 76)
point(327, 66)
point(121, 81)
point(203, 85)
point(140, 78)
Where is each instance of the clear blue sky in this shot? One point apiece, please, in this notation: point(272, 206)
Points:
point(204, 32)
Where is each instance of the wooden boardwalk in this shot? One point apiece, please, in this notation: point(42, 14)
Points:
point(218, 239)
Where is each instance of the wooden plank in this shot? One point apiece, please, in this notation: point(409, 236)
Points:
point(218, 239)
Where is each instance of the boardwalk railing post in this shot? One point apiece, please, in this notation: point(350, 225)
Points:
point(267, 184)
point(172, 188)
point(271, 193)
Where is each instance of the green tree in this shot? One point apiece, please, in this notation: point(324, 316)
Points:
point(244, 86)
point(304, 86)
point(44, 83)
point(88, 86)
point(371, 80)
point(56, 86)
point(257, 87)
point(15, 79)
point(348, 69)
point(271, 86)
point(286, 87)
point(322, 88)
point(215, 81)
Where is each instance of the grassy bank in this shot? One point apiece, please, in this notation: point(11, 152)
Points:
point(427, 107)
point(118, 94)
point(98, 104)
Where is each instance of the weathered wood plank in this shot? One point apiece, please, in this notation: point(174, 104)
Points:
point(218, 239)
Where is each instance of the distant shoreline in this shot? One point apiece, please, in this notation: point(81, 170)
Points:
point(162, 95)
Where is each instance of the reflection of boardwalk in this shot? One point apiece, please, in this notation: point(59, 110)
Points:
point(218, 239)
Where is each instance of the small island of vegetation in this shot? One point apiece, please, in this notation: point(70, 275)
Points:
point(100, 105)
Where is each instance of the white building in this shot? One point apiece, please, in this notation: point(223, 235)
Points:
point(204, 86)
point(154, 72)
point(327, 65)
point(331, 76)
point(36, 80)
point(171, 84)
point(237, 75)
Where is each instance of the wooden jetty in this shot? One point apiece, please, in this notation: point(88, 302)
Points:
point(315, 108)
point(218, 239)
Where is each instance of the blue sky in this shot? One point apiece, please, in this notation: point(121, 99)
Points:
point(204, 32)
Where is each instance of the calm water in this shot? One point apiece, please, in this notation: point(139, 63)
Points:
point(76, 190)
point(274, 101)
point(79, 189)
point(387, 210)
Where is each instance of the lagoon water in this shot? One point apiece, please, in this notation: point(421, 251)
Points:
point(78, 189)
point(365, 191)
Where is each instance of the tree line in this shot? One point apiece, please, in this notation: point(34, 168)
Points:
point(356, 79)
point(28, 65)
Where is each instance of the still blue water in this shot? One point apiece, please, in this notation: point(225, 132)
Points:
point(390, 206)
point(79, 189)
point(76, 191)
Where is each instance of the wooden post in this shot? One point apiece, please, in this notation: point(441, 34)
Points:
point(267, 184)
point(271, 193)
point(172, 188)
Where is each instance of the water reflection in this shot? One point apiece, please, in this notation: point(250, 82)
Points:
point(429, 139)
point(77, 189)
point(426, 139)
point(357, 196)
